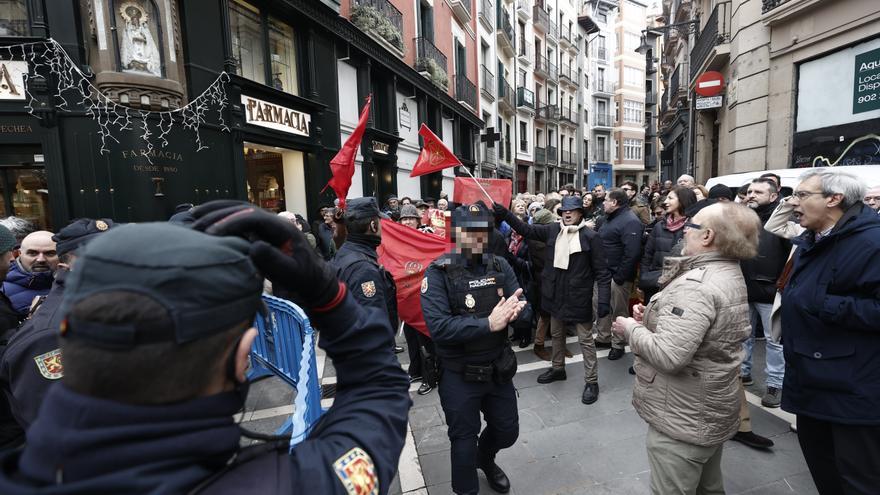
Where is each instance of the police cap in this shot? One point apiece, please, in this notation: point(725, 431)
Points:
point(207, 284)
point(360, 208)
point(79, 232)
point(475, 216)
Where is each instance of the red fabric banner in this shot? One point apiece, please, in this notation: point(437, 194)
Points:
point(406, 253)
point(434, 156)
point(342, 165)
point(467, 191)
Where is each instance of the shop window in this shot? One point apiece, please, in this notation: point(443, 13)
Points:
point(247, 41)
point(283, 56)
point(14, 18)
point(138, 37)
point(24, 190)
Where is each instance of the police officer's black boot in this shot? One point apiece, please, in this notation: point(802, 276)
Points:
point(591, 393)
point(494, 475)
point(552, 375)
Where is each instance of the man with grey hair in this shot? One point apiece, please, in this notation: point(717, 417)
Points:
point(872, 198)
point(686, 181)
point(830, 310)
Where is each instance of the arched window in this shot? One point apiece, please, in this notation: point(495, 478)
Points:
point(14, 18)
point(139, 37)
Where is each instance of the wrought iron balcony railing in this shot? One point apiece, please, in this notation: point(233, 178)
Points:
point(430, 59)
point(768, 5)
point(488, 85)
point(465, 91)
point(715, 32)
point(379, 18)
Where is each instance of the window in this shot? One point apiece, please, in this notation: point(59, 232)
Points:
point(633, 76)
point(631, 41)
point(247, 41)
point(632, 149)
point(283, 57)
point(521, 79)
point(633, 111)
point(523, 136)
point(14, 18)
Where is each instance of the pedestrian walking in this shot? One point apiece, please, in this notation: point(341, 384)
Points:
point(469, 298)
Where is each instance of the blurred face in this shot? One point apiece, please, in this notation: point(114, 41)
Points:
point(872, 198)
point(406, 201)
point(563, 192)
point(588, 200)
point(410, 222)
point(685, 181)
point(610, 206)
point(442, 205)
point(519, 208)
point(667, 184)
point(393, 203)
point(696, 239)
point(471, 242)
point(572, 217)
point(699, 194)
point(422, 210)
point(658, 213)
point(630, 192)
point(599, 191)
point(811, 206)
point(327, 215)
point(671, 205)
point(5, 259)
point(38, 253)
point(759, 194)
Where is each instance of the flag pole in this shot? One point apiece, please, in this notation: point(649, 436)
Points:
point(491, 201)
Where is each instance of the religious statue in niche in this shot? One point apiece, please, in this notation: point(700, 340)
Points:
point(137, 28)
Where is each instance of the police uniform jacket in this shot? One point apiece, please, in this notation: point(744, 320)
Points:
point(358, 266)
point(11, 433)
point(86, 445)
point(457, 297)
point(568, 294)
point(32, 361)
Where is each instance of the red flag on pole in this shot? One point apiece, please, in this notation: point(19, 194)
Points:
point(434, 156)
point(406, 253)
point(342, 165)
point(467, 191)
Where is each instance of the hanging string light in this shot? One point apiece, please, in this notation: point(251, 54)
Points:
point(74, 91)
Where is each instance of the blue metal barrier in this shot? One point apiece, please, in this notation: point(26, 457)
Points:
point(285, 347)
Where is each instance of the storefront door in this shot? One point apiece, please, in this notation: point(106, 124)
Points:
point(24, 191)
point(275, 178)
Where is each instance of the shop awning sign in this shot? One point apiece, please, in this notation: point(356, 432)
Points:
point(272, 116)
point(866, 87)
point(12, 79)
point(710, 102)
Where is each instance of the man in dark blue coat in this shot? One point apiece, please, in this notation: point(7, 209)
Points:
point(156, 339)
point(831, 333)
point(31, 275)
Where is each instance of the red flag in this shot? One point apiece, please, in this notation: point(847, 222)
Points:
point(434, 156)
point(467, 191)
point(406, 253)
point(342, 165)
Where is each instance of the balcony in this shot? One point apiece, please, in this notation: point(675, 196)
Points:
point(568, 117)
point(505, 97)
point(487, 88)
point(547, 113)
point(504, 33)
point(542, 66)
point(525, 99)
point(650, 98)
point(524, 52)
point(768, 5)
point(677, 89)
point(600, 155)
point(650, 162)
point(461, 9)
point(565, 37)
point(712, 49)
point(566, 75)
point(465, 91)
point(542, 23)
point(489, 156)
point(540, 155)
point(523, 9)
point(602, 88)
point(567, 158)
point(650, 129)
point(776, 11)
point(602, 120)
point(602, 55)
point(551, 155)
point(431, 62)
point(487, 14)
point(381, 20)
point(650, 66)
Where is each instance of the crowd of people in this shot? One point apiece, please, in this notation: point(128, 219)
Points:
point(153, 323)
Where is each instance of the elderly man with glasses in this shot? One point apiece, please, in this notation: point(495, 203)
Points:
point(830, 310)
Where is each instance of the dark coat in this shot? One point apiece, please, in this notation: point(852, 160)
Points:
point(659, 246)
point(830, 323)
point(621, 235)
point(22, 287)
point(568, 294)
point(11, 433)
point(358, 266)
point(762, 271)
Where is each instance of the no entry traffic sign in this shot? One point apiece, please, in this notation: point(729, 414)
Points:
point(710, 83)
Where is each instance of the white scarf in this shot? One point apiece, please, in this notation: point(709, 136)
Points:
point(568, 242)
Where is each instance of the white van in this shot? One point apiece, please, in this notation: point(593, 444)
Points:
point(870, 175)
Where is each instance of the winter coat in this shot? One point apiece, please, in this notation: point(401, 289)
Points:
point(830, 322)
point(659, 246)
point(567, 294)
point(762, 271)
point(21, 287)
point(689, 348)
point(641, 211)
point(621, 235)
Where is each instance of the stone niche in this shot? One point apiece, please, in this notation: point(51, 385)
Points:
point(135, 52)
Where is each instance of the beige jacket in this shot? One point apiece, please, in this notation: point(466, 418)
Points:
point(689, 349)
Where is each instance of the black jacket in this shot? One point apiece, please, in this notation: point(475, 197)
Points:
point(659, 246)
point(622, 238)
point(762, 271)
point(568, 294)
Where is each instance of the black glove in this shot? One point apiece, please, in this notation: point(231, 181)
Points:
point(500, 211)
point(279, 250)
point(603, 310)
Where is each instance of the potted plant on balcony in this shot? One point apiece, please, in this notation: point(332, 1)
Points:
point(436, 74)
point(368, 18)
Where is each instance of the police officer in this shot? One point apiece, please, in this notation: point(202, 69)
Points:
point(469, 298)
point(358, 264)
point(32, 361)
point(156, 342)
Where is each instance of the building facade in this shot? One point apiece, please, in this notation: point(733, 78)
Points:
point(598, 17)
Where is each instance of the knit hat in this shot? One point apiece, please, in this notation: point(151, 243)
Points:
point(720, 191)
point(542, 217)
point(409, 211)
point(7, 240)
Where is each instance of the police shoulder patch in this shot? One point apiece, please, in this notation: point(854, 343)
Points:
point(424, 284)
point(49, 364)
point(356, 472)
point(369, 288)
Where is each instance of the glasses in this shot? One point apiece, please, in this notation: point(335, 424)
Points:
point(695, 226)
point(802, 195)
